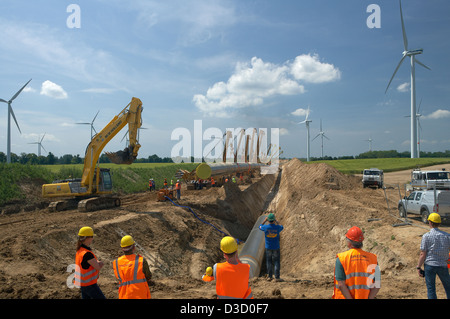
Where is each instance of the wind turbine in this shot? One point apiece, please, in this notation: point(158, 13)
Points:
point(412, 55)
point(92, 125)
point(370, 143)
point(306, 121)
point(39, 143)
point(11, 112)
point(322, 135)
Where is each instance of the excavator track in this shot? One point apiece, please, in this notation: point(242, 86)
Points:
point(97, 203)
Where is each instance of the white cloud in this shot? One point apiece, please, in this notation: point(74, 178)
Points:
point(284, 131)
point(438, 114)
point(300, 112)
point(29, 89)
point(309, 69)
point(53, 90)
point(404, 87)
point(252, 82)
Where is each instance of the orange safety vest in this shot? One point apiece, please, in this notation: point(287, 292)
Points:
point(177, 186)
point(359, 267)
point(232, 281)
point(84, 277)
point(132, 281)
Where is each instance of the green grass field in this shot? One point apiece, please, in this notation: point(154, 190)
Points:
point(356, 166)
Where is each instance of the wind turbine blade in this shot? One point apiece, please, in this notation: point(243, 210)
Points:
point(420, 63)
point(326, 137)
point(95, 117)
point(42, 138)
point(14, 117)
point(302, 122)
point(396, 69)
point(18, 92)
point(43, 148)
point(405, 39)
point(2, 100)
point(84, 123)
point(315, 137)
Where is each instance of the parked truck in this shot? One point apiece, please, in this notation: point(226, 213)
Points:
point(425, 202)
point(373, 177)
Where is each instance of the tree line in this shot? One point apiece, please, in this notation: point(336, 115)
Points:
point(51, 159)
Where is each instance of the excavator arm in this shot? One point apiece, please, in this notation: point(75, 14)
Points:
point(130, 115)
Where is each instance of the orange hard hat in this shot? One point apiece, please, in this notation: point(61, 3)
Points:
point(355, 234)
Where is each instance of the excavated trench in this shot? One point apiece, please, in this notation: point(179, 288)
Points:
point(315, 203)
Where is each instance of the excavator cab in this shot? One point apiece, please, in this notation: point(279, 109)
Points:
point(105, 181)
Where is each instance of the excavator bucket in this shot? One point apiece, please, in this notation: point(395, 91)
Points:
point(121, 157)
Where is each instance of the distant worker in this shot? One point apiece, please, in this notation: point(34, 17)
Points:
point(132, 271)
point(171, 184)
point(231, 276)
point(178, 188)
point(151, 184)
point(165, 182)
point(272, 246)
point(356, 273)
point(213, 182)
point(87, 266)
point(434, 254)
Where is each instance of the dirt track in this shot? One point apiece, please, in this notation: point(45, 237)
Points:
point(315, 203)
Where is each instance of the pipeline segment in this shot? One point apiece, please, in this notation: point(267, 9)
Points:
point(253, 251)
point(205, 171)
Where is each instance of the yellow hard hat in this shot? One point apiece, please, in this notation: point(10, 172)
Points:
point(86, 232)
point(434, 218)
point(126, 241)
point(209, 271)
point(228, 245)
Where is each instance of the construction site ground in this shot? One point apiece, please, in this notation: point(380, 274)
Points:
point(315, 203)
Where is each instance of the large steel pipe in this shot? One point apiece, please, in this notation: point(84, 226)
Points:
point(253, 251)
point(205, 171)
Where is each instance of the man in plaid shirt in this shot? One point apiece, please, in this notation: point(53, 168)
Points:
point(434, 252)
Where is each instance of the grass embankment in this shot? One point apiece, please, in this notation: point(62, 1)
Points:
point(126, 179)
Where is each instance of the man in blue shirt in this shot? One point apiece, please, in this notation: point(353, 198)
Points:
point(272, 237)
point(434, 250)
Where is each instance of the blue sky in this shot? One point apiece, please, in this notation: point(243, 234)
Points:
point(230, 64)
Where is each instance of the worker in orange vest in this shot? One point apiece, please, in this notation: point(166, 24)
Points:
point(87, 266)
point(132, 271)
point(231, 276)
point(356, 275)
point(178, 188)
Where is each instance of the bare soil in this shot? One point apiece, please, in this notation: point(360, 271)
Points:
point(314, 202)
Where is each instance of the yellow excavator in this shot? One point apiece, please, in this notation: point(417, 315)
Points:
point(93, 190)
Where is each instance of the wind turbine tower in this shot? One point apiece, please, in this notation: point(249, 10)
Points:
point(322, 135)
point(11, 112)
point(92, 125)
point(39, 143)
point(412, 55)
point(306, 121)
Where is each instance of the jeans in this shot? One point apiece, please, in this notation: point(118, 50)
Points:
point(273, 262)
point(430, 280)
point(92, 292)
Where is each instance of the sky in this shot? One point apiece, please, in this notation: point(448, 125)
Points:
point(229, 64)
